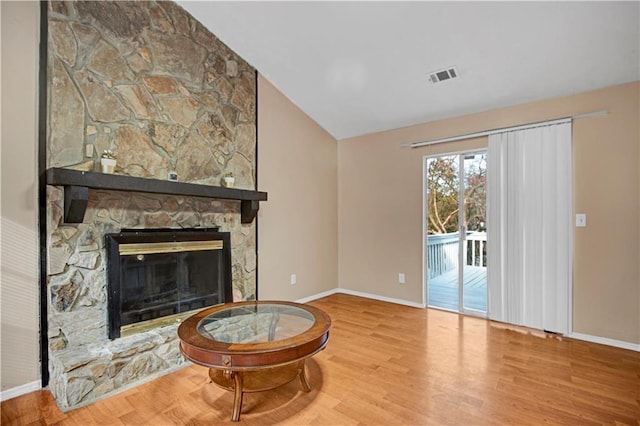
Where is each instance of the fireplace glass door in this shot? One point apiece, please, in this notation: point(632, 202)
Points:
point(153, 279)
point(160, 283)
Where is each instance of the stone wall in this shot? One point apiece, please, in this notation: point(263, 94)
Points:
point(149, 83)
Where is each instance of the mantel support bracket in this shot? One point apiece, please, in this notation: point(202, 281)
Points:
point(248, 210)
point(75, 203)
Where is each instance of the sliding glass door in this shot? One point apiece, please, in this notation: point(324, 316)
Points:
point(456, 238)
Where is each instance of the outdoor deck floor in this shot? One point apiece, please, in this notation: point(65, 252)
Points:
point(443, 289)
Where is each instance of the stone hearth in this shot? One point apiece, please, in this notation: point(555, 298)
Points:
point(149, 83)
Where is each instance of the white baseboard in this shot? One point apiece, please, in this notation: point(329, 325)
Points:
point(20, 390)
point(361, 294)
point(381, 298)
point(605, 341)
point(318, 296)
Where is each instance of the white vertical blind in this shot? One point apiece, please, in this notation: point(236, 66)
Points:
point(530, 227)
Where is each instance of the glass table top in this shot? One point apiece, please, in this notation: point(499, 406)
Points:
point(259, 323)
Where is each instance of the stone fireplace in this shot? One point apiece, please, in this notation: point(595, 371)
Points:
point(147, 82)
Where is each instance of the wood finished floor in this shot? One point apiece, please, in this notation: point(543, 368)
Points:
point(387, 364)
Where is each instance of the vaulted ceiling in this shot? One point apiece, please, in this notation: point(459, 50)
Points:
point(362, 67)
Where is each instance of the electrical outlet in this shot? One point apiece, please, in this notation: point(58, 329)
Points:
point(401, 278)
point(294, 279)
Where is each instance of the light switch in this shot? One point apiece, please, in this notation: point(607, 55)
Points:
point(581, 220)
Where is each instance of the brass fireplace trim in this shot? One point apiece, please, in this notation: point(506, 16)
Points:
point(142, 326)
point(168, 247)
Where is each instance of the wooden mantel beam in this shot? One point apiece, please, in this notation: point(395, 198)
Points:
point(77, 183)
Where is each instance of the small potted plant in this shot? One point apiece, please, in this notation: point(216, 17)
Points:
point(107, 161)
point(228, 180)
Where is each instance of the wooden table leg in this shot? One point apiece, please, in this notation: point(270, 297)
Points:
point(237, 399)
point(303, 378)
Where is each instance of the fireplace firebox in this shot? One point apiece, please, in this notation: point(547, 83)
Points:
point(156, 274)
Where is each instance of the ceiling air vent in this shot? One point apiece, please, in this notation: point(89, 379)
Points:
point(442, 75)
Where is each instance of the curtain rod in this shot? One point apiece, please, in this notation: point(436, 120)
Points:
point(506, 129)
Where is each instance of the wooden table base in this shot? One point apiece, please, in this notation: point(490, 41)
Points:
point(254, 346)
point(257, 380)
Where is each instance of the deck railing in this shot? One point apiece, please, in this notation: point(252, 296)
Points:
point(442, 251)
point(476, 249)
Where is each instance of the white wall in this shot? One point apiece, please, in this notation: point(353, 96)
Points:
point(298, 225)
point(19, 292)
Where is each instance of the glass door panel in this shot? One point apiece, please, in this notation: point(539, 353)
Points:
point(474, 278)
point(456, 232)
point(443, 247)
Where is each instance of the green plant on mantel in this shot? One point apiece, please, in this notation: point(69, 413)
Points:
point(108, 154)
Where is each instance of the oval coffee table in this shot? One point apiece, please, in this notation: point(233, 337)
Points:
point(254, 346)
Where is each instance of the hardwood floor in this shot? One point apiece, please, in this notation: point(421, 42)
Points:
point(389, 364)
